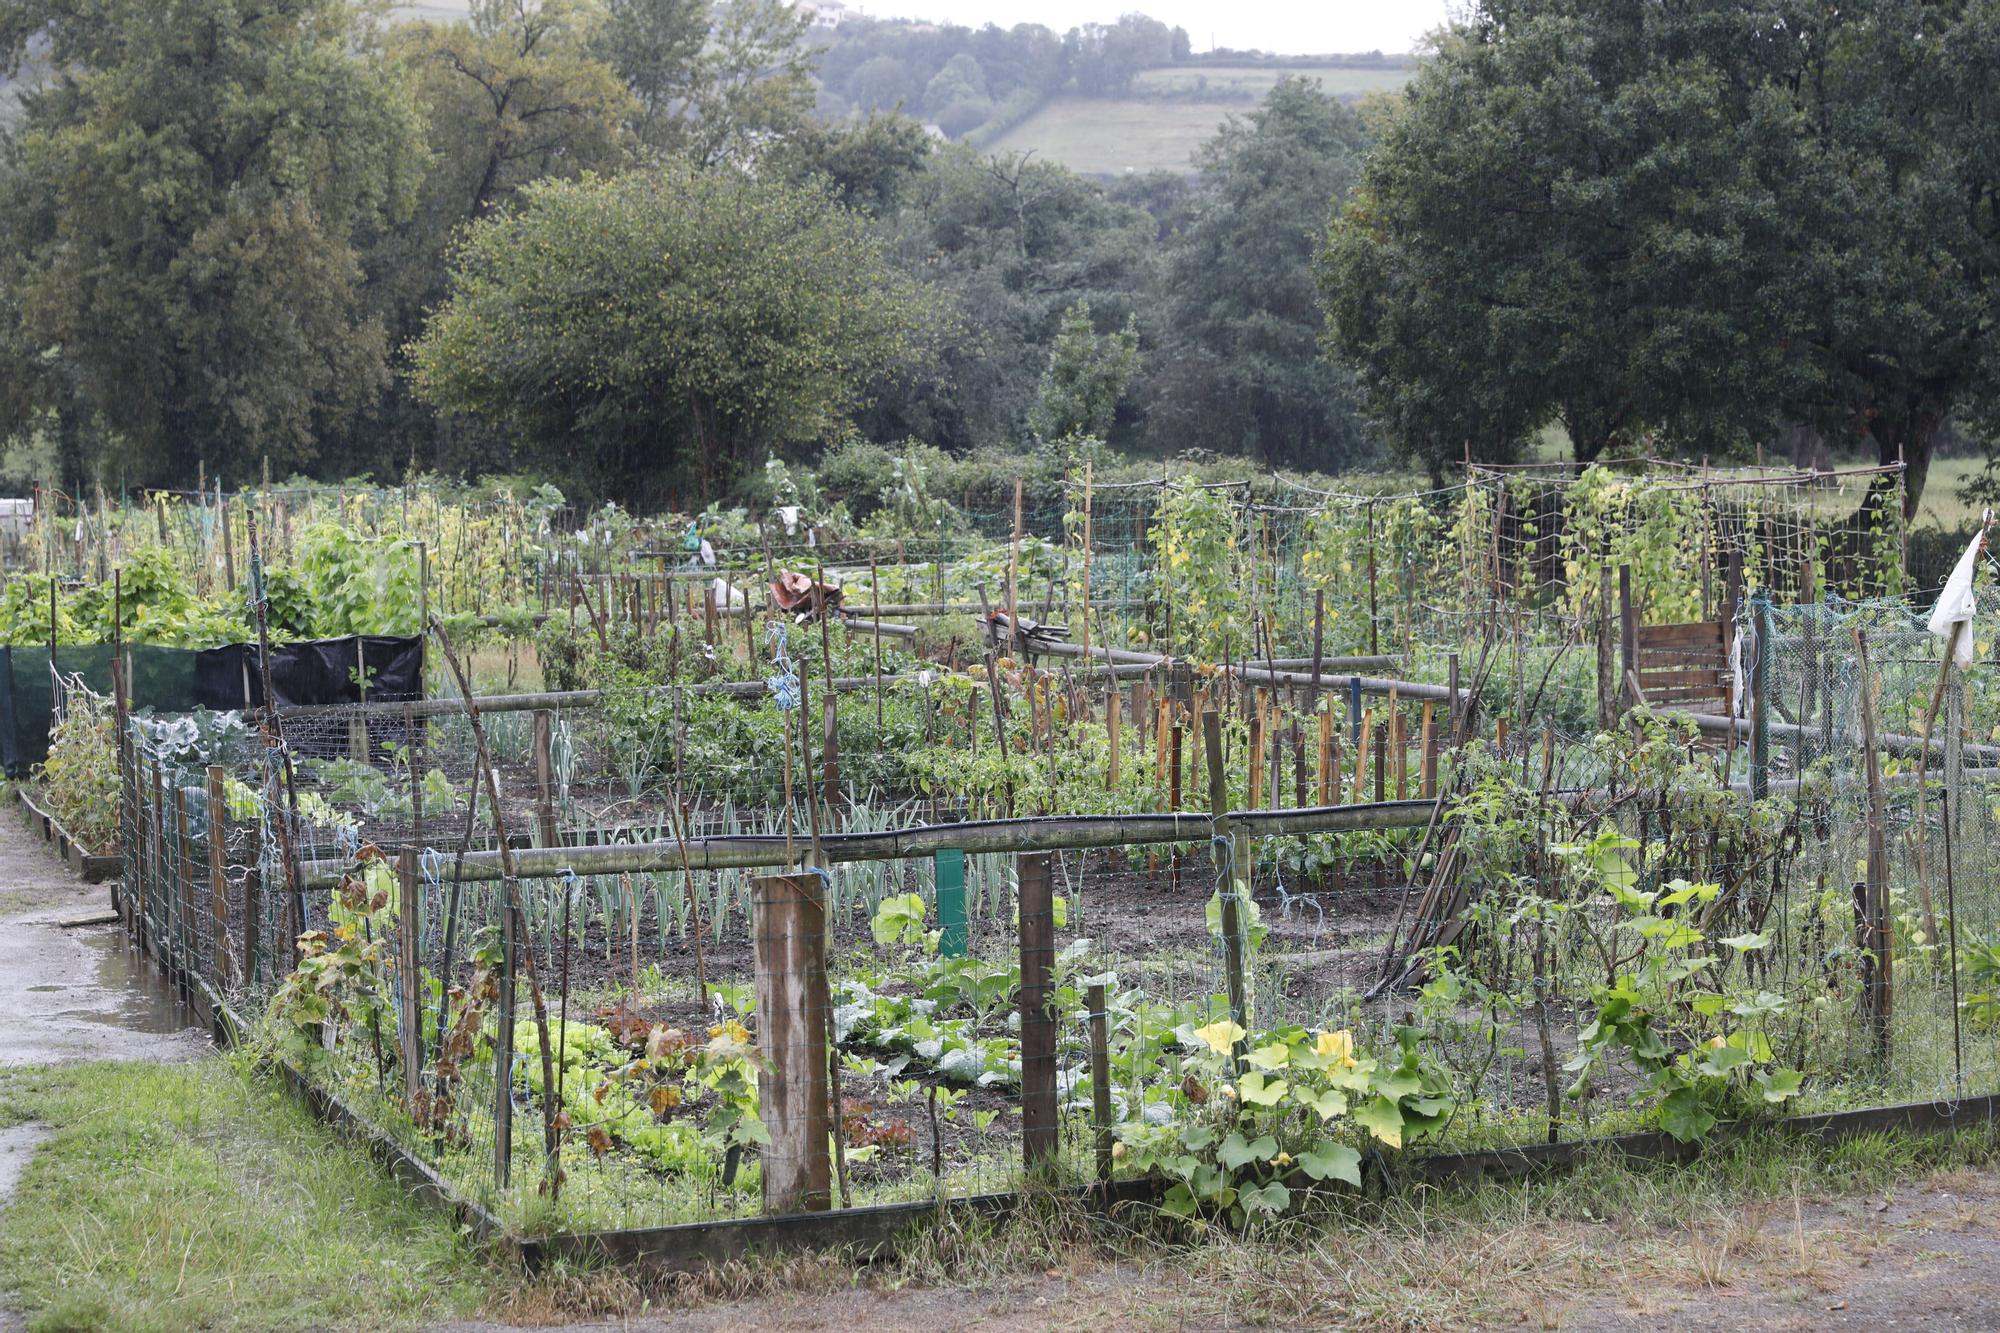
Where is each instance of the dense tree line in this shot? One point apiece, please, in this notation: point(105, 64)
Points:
point(1675, 227)
point(962, 78)
point(608, 242)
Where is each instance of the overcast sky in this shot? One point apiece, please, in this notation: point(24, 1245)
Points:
point(1282, 26)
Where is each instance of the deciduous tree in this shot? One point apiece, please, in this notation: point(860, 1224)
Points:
point(662, 327)
point(1243, 371)
point(186, 203)
point(1676, 226)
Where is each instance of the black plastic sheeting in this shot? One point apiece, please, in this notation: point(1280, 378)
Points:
point(322, 671)
point(179, 680)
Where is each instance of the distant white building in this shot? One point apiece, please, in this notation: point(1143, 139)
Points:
point(827, 13)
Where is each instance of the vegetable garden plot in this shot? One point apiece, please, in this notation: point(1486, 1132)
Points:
point(1598, 933)
point(1237, 925)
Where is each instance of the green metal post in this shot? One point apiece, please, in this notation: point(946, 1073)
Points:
point(951, 903)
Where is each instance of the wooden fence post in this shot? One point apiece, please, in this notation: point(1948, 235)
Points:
point(218, 878)
point(793, 1012)
point(1038, 1023)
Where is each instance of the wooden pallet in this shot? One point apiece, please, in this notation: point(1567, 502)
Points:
point(1684, 666)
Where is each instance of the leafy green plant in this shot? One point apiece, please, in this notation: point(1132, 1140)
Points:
point(1253, 1137)
point(899, 921)
point(1714, 1063)
point(80, 776)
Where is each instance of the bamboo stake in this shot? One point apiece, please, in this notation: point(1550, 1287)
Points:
point(1877, 925)
point(1361, 756)
point(1013, 576)
point(1087, 545)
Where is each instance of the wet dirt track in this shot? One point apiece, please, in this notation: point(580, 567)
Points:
point(73, 994)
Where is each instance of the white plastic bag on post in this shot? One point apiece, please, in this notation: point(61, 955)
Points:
point(1955, 605)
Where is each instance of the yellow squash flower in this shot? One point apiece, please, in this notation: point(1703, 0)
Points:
point(1338, 1046)
point(1220, 1036)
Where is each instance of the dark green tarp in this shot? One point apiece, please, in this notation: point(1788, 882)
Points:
point(179, 680)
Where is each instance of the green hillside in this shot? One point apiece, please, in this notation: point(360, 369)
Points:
point(1251, 82)
point(1113, 136)
point(1169, 112)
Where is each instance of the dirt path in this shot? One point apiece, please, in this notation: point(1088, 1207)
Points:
point(77, 994)
point(68, 995)
point(1926, 1256)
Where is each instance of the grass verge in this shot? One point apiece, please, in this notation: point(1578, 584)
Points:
point(199, 1195)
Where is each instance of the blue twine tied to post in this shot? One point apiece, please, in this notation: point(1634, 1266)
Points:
point(784, 685)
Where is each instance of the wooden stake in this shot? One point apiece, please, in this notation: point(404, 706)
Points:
point(1399, 750)
point(1366, 730)
point(1236, 867)
point(875, 597)
point(1038, 1025)
point(409, 921)
point(1014, 575)
point(1256, 788)
point(1328, 780)
point(545, 793)
point(1111, 702)
point(1100, 1079)
point(1087, 539)
point(1880, 996)
point(1428, 747)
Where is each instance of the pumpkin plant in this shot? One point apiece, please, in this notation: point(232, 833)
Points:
point(1253, 1137)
